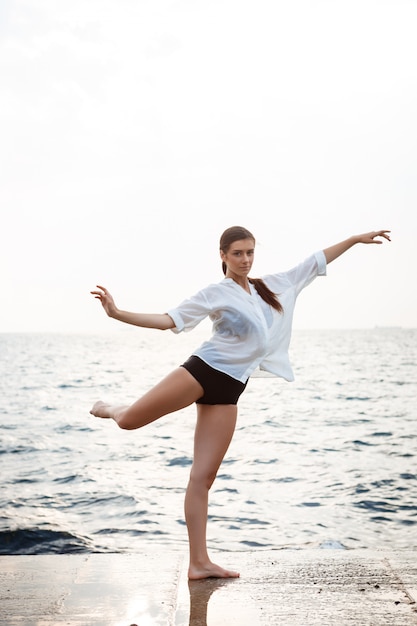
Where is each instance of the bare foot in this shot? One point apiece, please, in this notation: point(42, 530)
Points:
point(100, 409)
point(210, 570)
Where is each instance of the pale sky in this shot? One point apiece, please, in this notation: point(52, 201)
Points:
point(132, 133)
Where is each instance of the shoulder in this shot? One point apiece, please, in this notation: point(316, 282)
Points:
point(313, 264)
point(221, 286)
point(210, 291)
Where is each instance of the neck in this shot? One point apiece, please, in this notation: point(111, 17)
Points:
point(243, 281)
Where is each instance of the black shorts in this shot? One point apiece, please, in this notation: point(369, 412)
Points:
point(219, 388)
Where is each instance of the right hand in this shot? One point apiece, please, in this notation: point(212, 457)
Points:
point(106, 300)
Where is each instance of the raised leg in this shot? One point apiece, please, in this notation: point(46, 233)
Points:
point(213, 433)
point(176, 391)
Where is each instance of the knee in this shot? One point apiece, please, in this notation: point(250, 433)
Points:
point(135, 416)
point(124, 425)
point(202, 480)
point(124, 420)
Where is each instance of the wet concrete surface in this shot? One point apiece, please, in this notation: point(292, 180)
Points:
point(282, 587)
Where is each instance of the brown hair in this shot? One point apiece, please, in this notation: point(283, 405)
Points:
point(235, 233)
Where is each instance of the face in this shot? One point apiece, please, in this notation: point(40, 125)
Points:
point(239, 257)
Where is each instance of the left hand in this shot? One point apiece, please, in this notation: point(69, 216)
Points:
point(371, 237)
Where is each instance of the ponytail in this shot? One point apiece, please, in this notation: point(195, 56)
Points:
point(266, 294)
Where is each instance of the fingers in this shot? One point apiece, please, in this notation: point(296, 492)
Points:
point(379, 233)
point(103, 291)
point(382, 233)
point(100, 294)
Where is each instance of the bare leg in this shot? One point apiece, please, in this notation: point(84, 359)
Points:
point(176, 391)
point(213, 433)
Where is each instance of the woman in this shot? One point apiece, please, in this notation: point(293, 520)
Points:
point(252, 321)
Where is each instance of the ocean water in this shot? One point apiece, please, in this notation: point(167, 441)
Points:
point(329, 460)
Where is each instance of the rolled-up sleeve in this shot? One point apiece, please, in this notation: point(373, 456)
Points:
point(305, 272)
point(299, 276)
point(190, 312)
point(321, 263)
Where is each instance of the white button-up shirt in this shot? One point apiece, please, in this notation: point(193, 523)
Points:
point(247, 332)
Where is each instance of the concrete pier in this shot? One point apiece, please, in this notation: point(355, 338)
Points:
point(282, 587)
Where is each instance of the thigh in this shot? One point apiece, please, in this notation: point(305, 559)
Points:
point(176, 391)
point(213, 434)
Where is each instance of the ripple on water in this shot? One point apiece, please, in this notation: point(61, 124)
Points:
point(42, 541)
point(105, 489)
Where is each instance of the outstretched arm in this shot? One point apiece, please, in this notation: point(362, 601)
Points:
point(333, 252)
point(162, 321)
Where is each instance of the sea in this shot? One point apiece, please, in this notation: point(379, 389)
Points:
point(326, 461)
